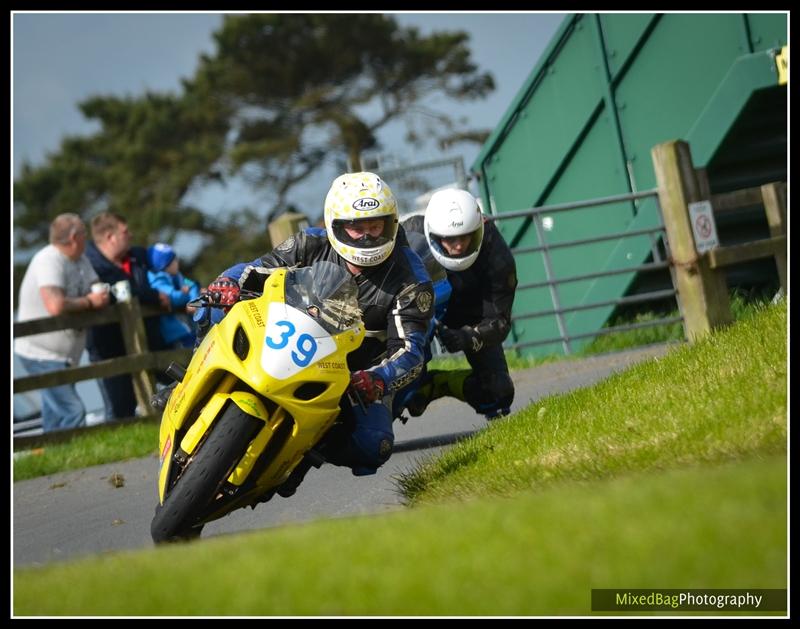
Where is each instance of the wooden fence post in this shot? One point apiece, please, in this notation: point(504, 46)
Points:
point(702, 292)
point(774, 196)
point(135, 338)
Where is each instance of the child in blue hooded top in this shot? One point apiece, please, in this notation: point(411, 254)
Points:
point(164, 276)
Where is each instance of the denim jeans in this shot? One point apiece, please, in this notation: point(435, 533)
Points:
point(62, 407)
point(119, 397)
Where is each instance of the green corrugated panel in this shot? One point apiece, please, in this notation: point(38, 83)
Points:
point(670, 81)
point(506, 122)
point(621, 32)
point(546, 128)
point(748, 74)
point(608, 89)
point(767, 30)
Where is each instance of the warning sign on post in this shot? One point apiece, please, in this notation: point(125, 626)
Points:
point(703, 226)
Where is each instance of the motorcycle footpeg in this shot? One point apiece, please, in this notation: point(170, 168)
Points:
point(315, 458)
point(175, 371)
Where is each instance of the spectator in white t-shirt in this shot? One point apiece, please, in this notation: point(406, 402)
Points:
point(58, 280)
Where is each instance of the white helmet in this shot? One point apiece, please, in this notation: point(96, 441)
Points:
point(356, 197)
point(454, 213)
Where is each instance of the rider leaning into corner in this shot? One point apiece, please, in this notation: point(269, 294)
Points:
point(483, 279)
point(395, 296)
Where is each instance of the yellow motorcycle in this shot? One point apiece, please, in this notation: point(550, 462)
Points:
point(261, 390)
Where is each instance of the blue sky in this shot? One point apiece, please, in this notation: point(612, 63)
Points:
point(60, 59)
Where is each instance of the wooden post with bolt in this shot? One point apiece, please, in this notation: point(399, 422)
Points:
point(702, 292)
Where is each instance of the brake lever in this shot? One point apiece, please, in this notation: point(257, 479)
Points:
point(354, 397)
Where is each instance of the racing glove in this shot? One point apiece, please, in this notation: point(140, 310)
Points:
point(254, 277)
point(462, 339)
point(368, 385)
point(224, 292)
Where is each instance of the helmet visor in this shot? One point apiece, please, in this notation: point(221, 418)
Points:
point(457, 246)
point(365, 233)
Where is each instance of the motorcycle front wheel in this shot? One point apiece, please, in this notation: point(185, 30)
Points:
point(200, 482)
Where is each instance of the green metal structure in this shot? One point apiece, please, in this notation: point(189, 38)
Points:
point(608, 88)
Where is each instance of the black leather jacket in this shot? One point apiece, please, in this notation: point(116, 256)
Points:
point(483, 294)
point(395, 297)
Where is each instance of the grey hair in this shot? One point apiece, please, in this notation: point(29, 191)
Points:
point(64, 226)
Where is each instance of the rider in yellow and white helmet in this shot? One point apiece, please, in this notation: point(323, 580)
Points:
point(361, 218)
point(396, 300)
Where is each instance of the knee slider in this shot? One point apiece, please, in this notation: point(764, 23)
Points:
point(372, 439)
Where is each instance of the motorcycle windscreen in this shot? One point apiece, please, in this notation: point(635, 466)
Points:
point(327, 293)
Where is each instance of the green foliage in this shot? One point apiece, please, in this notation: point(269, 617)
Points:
point(148, 154)
point(238, 238)
point(283, 95)
point(310, 88)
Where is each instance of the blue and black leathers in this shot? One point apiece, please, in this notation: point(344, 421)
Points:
point(441, 295)
point(396, 301)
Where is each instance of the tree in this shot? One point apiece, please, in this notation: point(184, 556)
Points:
point(148, 153)
point(308, 88)
point(283, 95)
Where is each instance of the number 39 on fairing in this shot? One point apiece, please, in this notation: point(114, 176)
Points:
point(292, 342)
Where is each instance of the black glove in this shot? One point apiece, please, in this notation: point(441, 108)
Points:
point(254, 277)
point(369, 386)
point(457, 340)
point(224, 292)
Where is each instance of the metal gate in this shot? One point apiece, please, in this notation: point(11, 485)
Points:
point(524, 336)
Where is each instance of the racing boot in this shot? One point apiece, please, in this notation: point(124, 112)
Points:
point(440, 383)
point(290, 485)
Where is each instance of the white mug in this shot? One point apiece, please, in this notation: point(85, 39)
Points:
point(101, 287)
point(122, 290)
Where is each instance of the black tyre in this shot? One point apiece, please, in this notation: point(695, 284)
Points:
point(201, 480)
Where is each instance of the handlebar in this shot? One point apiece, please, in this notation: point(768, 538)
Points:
point(204, 301)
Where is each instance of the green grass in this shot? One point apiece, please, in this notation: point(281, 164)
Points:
point(538, 553)
point(104, 445)
point(742, 305)
point(720, 399)
point(669, 475)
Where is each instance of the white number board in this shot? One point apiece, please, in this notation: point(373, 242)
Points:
point(292, 342)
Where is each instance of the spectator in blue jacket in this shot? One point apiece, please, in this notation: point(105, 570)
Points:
point(165, 276)
point(114, 259)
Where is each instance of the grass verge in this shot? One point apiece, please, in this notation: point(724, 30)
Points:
point(538, 553)
point(104, 445)
point(720, 399)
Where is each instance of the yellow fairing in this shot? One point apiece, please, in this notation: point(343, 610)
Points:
point(216, 375)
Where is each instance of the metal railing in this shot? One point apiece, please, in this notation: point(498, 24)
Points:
point(553, 283)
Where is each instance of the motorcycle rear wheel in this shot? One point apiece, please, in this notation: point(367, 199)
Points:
point(175, 520)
